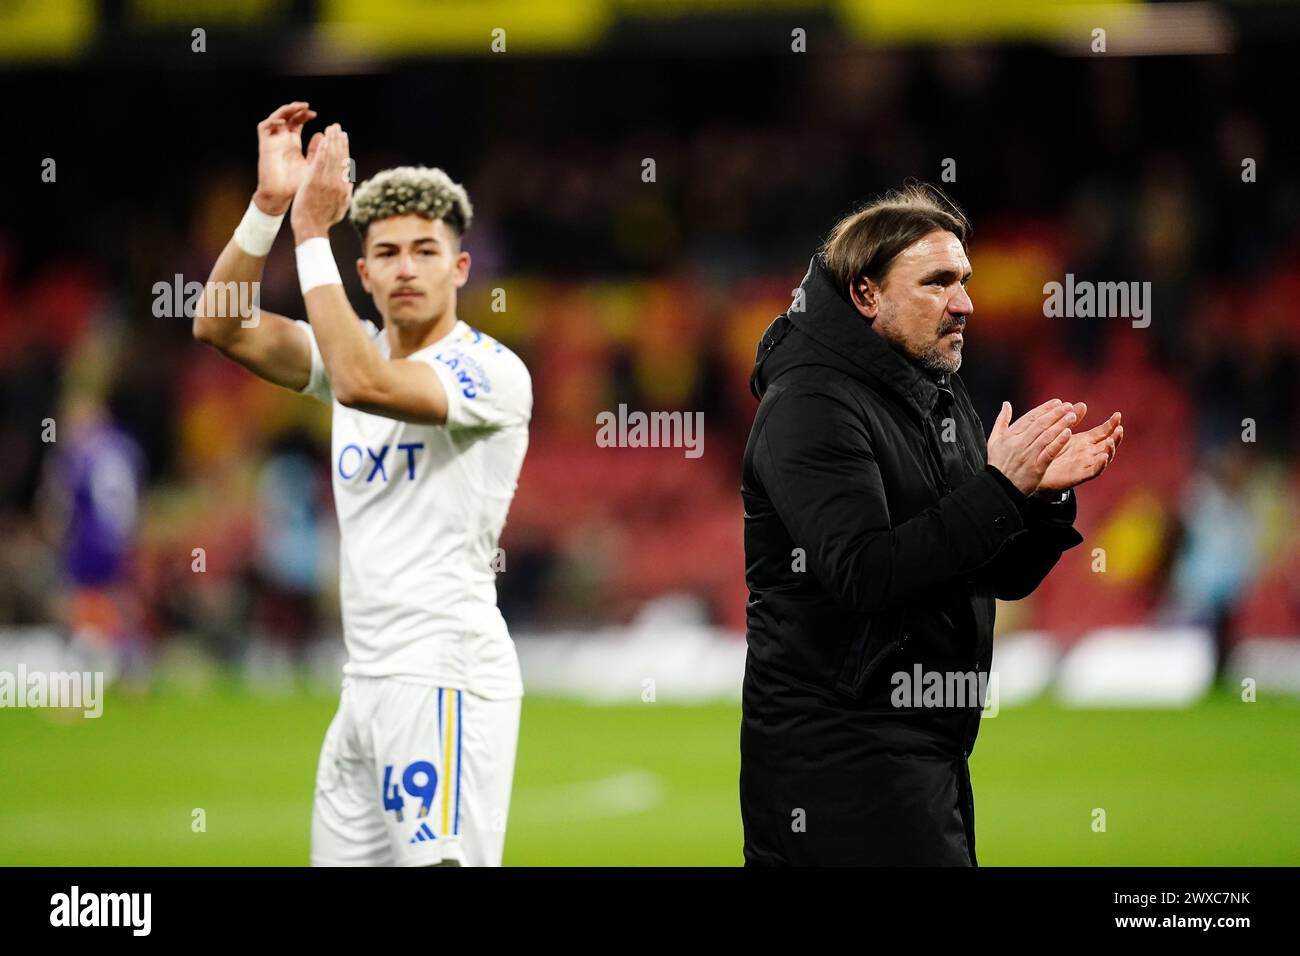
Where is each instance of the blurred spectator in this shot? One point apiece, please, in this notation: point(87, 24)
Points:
point(92, 503)
point(292, 563)
point(1218, 550)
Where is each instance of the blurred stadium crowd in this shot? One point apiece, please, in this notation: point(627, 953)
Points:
point(654, 294)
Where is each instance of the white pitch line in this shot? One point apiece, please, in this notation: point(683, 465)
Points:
point(622, 794)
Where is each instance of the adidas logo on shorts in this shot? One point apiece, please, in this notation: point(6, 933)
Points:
point(422, 835)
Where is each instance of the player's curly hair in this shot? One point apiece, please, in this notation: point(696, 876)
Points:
point(423, 190)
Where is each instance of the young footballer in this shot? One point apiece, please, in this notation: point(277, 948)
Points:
point(430, 427)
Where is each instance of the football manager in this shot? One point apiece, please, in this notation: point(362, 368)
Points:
point(880, 526)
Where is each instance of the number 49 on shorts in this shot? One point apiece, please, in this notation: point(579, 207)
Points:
point(420, 781)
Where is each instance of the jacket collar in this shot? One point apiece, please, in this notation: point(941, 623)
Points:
point(830, 319)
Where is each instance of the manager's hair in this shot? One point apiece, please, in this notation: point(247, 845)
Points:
point(425, 191)
point(866, 242)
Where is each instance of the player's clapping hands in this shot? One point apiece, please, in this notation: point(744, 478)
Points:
point(280, 162)
point(326, 189)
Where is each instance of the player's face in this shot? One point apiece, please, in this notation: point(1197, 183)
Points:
point(412, 267)
point(922, 306)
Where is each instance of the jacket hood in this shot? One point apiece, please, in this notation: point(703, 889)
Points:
point(828, 331)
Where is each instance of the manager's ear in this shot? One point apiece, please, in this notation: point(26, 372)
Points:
point(865, 295)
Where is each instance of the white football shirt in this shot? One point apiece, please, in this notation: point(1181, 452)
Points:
point(420, 510)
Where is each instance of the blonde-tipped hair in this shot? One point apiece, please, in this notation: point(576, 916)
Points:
point(422, 190)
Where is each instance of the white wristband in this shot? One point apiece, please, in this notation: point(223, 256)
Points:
point(316, 266)
point(257, 231)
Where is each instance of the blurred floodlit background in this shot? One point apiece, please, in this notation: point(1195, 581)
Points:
point(1157, 678)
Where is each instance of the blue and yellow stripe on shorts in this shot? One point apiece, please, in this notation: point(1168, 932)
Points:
point(449, 734)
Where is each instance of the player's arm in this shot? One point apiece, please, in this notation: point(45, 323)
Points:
point(267, 344)
point(360, 375)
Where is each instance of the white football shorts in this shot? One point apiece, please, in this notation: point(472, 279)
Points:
point(414, 775)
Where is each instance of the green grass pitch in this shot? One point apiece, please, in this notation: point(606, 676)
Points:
point(646, 784)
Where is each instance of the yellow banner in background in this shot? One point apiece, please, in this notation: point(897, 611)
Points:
point(572, 26)
point(45, 29)
point(203, 13)
point(376, 29)
point(411, 27)
point(946, 21)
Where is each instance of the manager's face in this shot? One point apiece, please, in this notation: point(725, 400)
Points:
point(920, 307)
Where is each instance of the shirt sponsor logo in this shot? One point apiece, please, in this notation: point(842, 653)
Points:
point(356, 459)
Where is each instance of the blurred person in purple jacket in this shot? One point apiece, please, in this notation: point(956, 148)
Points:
point(91, 500)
